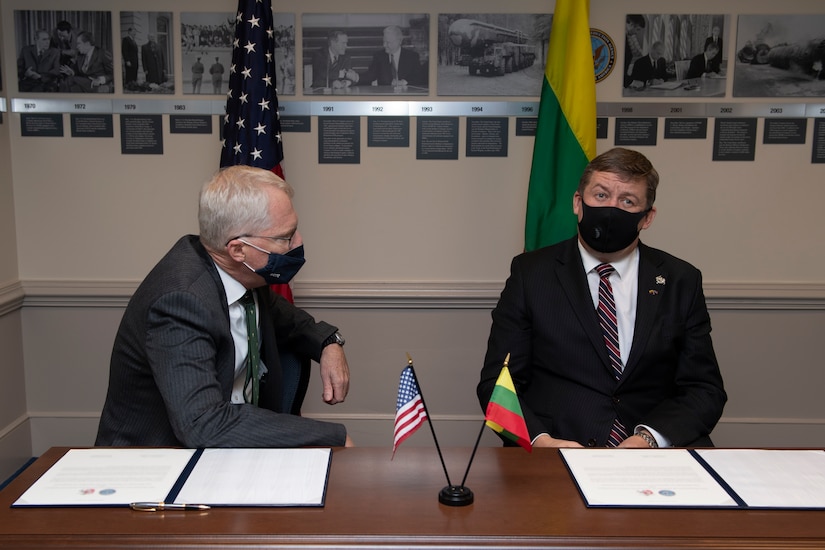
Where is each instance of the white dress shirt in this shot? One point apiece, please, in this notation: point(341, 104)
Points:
point(237, 324)
point(625, 283)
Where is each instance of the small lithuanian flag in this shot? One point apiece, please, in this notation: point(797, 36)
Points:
point(504, 414)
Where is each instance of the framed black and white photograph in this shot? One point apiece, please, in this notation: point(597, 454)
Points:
point(64, 51)
point(780, 56)
point(675, 55)
point(492, 54)
point(284, 24)
point(366, 54)
point(206, 51)
point(146, 42)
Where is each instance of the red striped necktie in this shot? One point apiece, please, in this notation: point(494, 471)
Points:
point(610, 331)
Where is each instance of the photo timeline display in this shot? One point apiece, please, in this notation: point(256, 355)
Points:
point(765, 55)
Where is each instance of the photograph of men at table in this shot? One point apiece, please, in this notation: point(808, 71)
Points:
point(344, 54)
point(62, 51)
point(663, 52)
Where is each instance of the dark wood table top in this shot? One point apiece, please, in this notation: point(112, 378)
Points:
point(520, 500)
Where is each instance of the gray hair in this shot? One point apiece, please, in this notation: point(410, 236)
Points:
point(235, 202)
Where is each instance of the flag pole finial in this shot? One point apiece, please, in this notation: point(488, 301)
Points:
point(409, 358)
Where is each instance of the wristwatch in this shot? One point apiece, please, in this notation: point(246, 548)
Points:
point(334, 338)
point(649, 439)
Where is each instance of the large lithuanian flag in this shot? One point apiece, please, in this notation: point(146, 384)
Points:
point(566, 132)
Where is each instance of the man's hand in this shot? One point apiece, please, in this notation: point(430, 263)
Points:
point(545, 440)
point(334, 374)
point(634, 442)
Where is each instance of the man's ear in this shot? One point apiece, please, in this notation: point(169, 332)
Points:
point(235, 249)
point(577, 198)
point(648, 219)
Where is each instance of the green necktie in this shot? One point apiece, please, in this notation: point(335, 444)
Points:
point(253, 359)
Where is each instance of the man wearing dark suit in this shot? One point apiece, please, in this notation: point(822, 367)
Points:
point(93, 70)
point(715, 38)
point(395, 66)
point(129, 50)
point(705, 64)
point(332, 66)
point(667, 389)
point(38, 66)
point(154, 65)
point(634, 27)
point(650, 69)
point(180, 371)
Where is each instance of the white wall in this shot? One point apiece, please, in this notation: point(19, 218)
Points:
point(403, 255)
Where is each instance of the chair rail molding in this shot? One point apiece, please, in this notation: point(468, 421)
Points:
point(402, 294)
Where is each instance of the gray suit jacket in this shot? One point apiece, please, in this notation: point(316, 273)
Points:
point(546, 320)
point(172, 366)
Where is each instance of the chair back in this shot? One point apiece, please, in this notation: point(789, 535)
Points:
point(682, 67)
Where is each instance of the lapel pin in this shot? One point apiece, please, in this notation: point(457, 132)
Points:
point(653, 292)
point(660, 280)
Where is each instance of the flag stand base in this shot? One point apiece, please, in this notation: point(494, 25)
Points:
point(455, 495)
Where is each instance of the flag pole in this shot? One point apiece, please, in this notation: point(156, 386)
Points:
point(478, 439)
point(430, 422)
point(472, 456)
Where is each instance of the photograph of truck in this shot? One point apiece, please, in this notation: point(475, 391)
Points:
point(508, 48)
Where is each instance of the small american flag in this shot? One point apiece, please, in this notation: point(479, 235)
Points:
point(410, 412)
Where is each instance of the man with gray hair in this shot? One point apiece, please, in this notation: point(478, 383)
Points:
point(197, 358)
point(395, 65)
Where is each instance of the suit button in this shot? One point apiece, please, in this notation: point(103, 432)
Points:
point(616, 400)
point(591, 442)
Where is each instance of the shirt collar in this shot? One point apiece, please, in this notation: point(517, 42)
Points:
point(234, 290)
point(621, 266)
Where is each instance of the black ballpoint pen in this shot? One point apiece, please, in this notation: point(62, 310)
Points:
point(163, 506)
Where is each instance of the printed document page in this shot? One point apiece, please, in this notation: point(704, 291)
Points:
point(258, 477)
point(644, 478)
point(772, 478)
point(107, 477)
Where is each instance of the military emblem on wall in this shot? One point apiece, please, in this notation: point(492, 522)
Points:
point(604, 54)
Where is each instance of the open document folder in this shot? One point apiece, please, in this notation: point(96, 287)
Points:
point(706, 478)
point(213, 477)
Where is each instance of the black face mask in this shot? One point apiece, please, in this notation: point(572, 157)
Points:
point(609, 229)
point(279, 268)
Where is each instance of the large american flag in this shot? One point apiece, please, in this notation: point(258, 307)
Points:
point(252, 129)
point(410, 411)
point(252, 126)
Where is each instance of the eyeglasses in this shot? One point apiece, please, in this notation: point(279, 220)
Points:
point(278, 240)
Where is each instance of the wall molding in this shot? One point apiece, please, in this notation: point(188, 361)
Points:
point(390, 417)
point(11, 297)
point(400, 294)
point(16, 423)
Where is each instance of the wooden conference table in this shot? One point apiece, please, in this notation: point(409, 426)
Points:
point(521, 500)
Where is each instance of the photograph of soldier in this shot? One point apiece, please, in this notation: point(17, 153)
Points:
point(146, 52)
point(207, 36)
point(780, 56)
point(284, 24)
point(79, 42)
point(675, 55)
point(373, 54)
point(492, 54)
